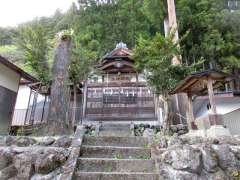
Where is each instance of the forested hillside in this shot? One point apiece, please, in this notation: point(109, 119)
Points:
point(210, 29)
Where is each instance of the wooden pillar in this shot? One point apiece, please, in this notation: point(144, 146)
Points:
point(85, 99)
point(190, 116)
point(211, 96)
point(34, 107)
point(137, 77)
point(28, 108)
point(44, 104)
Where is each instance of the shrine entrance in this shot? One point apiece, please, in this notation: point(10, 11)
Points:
point(122, 102)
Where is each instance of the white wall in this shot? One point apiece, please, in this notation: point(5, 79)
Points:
point(8, 78)
point(23, 97)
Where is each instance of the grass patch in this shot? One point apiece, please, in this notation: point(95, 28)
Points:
point(117, 156)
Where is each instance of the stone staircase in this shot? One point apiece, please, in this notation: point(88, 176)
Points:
point(114, 157)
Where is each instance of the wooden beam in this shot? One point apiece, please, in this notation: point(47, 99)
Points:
point(211, 96)
point(187, 87)
point(190, 116)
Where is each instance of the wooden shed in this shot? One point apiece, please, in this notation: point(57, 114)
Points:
point(203, 83)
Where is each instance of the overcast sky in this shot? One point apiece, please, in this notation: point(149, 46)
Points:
point(13, 12)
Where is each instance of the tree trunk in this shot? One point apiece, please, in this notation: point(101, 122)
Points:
point(58, 123)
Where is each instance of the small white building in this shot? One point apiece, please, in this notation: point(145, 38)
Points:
point(10, 77)
point(228, 106)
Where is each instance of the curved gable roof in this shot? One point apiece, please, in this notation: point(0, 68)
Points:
point(117, 53)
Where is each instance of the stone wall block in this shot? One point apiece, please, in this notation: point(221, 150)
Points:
point(210, 159)
point(184, 158)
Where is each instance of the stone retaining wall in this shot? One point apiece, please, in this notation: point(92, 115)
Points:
point(196, 158)
point(39, 158)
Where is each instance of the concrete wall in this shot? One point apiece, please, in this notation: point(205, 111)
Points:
point(8, 78)
point(232, 122)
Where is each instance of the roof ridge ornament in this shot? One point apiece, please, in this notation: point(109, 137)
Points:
point(121, 45)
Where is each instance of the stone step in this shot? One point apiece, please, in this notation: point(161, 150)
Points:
point(115, 152)
point(113, 165)
point(116, 125)
point(115, 141)
point(2, 141)
point(115, 129)
point(115, 176)
point(117, 133)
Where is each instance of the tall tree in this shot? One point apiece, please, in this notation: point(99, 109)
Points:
point(153, 57)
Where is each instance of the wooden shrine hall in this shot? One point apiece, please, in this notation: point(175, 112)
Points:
point(119, 93)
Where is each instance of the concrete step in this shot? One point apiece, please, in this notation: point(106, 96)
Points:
point(113, 165)
point(115, 176)
point(115, 152)
point(115, 141)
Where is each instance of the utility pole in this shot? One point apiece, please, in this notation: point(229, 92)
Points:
point(170, 26)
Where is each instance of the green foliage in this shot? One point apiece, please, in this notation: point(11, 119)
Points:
point(84, 54)
point(12, 53)
point(155, 11)
point(66, 34)
point(20, 131)
point(117, 156)
point(6, 36)
point(154, 56)
point(144, 157)
point(32, 41)
point(112, 22)
point(213, 33)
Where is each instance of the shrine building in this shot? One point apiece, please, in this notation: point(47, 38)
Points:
point(119, 93)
